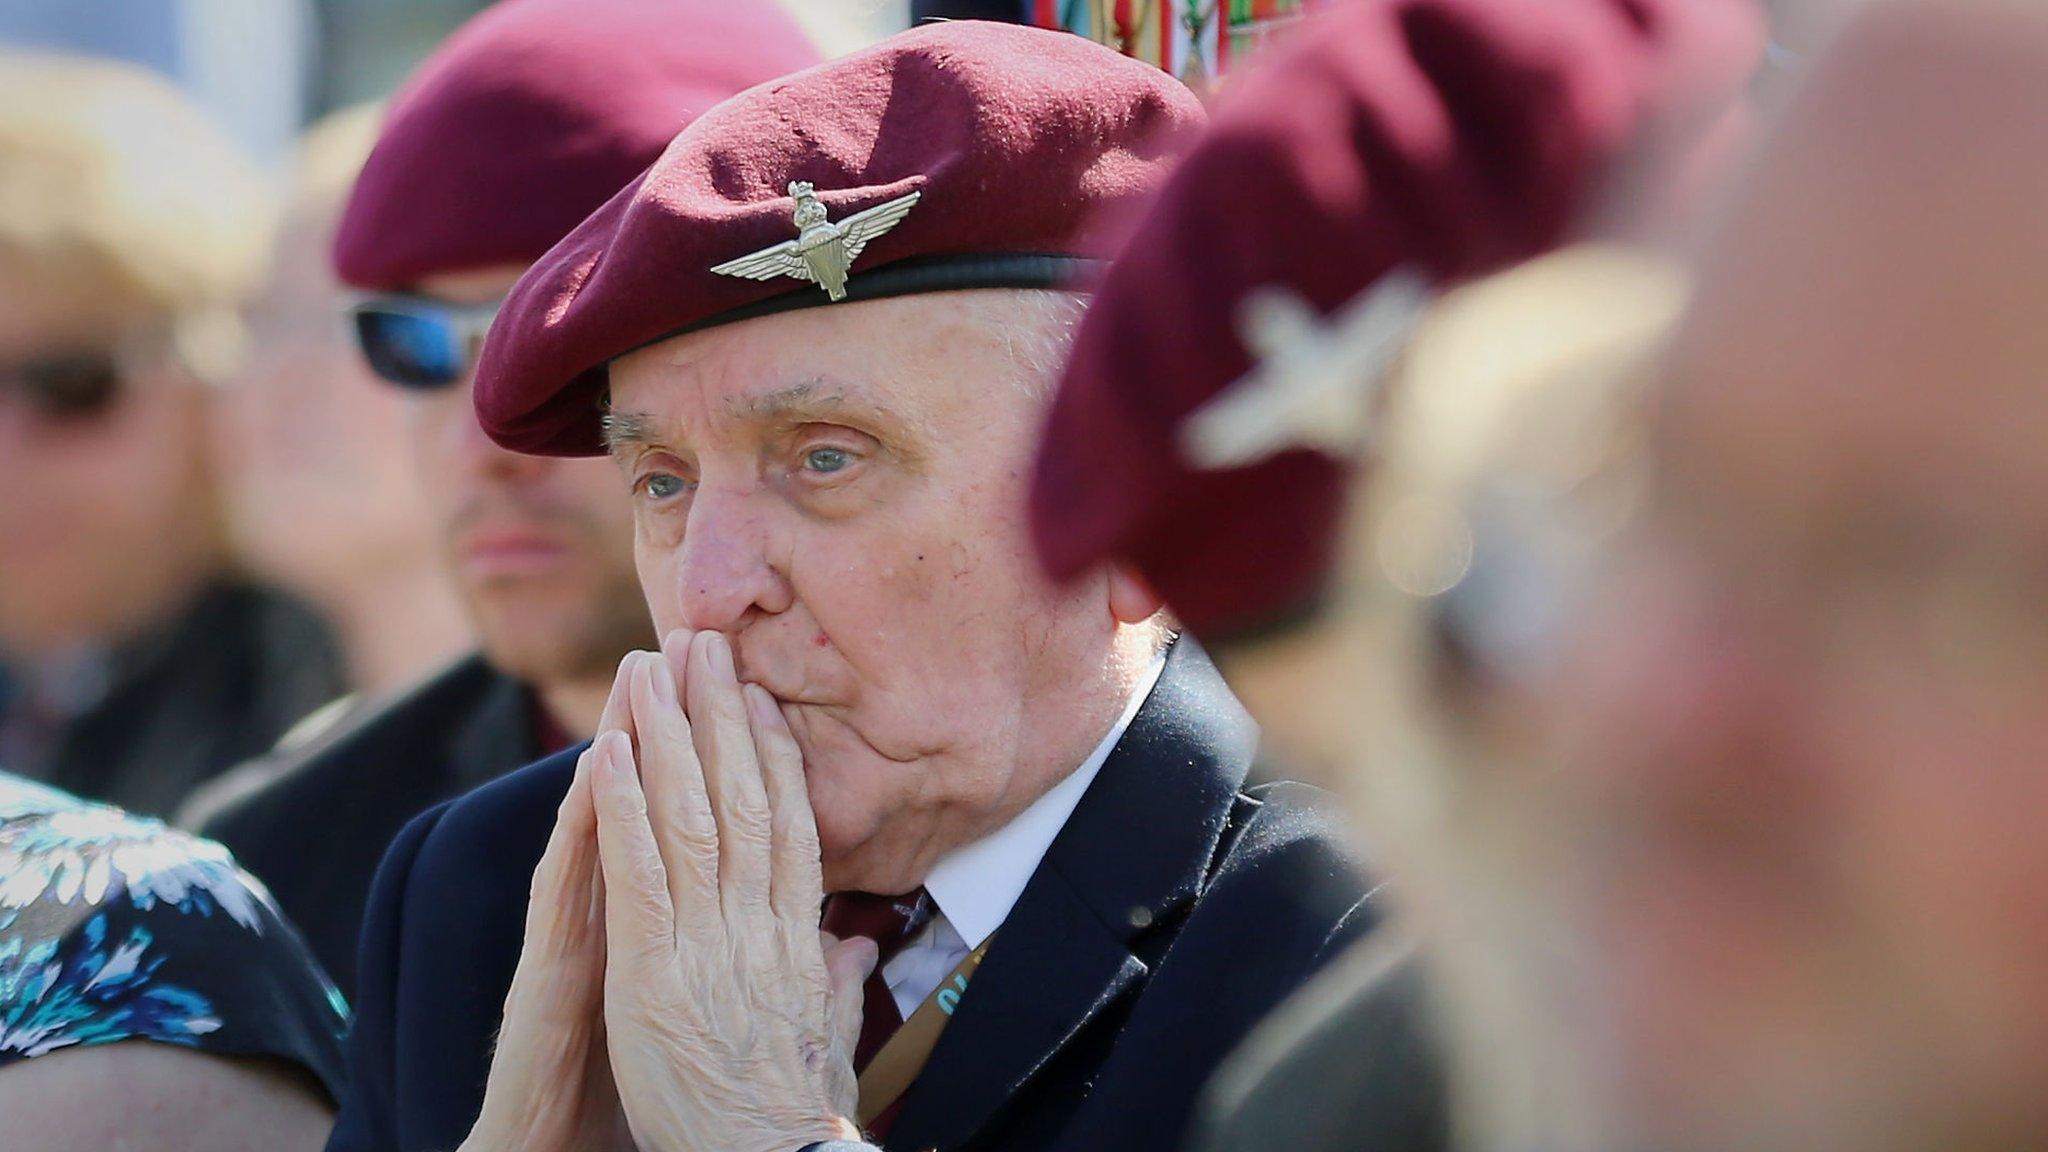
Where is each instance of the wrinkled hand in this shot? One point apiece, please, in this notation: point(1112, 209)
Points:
point(550, 1087)
point(729, 1018)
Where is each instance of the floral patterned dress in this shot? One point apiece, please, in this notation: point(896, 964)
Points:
point(114, 927)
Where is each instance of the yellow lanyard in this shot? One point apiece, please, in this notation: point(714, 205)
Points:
point(890, 1074)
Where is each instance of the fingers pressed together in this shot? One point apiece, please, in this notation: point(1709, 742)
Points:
point(708, 855)
point(704, 826)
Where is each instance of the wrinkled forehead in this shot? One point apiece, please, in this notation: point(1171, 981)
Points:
point(919, 363)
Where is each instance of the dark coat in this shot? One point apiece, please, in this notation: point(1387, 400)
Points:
point(218, 685)
point(1350, 1064)
point(316, 831)
point(1172, 912)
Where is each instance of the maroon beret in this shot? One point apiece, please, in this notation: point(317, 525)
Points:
point(533, 114)
point(956, 155)
point(1446, 137)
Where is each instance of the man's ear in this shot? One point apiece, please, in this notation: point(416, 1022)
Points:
point(1131, 599)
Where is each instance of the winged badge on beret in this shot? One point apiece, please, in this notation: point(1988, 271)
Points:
point(822, 251)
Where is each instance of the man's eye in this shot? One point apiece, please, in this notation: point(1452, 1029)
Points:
point(663, 485)
point(827, 460)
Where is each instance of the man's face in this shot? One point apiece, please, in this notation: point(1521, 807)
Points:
point(1808, 756)
point(105, 511)
point(541, 549)
point(840, 490)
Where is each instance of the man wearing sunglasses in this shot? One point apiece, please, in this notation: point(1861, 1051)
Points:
point(133, 667)
point(530, 116)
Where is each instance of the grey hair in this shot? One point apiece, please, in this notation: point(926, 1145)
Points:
point(1038, 326)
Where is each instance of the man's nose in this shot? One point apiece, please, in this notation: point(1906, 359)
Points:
point(724, 576)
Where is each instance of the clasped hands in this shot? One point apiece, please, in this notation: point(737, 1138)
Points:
point(674, 991)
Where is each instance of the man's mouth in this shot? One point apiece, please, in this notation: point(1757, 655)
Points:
point(786, 697)
point(789, 690)
point(495, 552)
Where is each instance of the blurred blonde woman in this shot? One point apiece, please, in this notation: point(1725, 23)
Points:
point(133, 664)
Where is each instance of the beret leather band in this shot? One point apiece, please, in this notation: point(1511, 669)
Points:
point(913, 276)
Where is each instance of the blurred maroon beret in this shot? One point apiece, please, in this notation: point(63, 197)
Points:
point(1011, 139)
point(1447, 137)
point(533, 114)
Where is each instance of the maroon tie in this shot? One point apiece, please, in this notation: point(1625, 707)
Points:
point(890, 921)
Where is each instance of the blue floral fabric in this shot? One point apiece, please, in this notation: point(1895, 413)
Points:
point(114, 927)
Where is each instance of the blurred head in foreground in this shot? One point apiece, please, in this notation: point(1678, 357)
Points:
point(321, 496)
point(1805, 711)
point(1731, 754)
point(129, 229)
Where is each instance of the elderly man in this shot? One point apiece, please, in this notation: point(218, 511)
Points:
point(553, 105)
point(1026, 794)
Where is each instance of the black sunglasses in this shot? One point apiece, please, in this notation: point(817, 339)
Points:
point(418, 343)
point(77, 386)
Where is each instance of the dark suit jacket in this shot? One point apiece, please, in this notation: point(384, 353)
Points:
point(315, 833)
point(1170, 914)
point(1350, 1064)
point(216, 686)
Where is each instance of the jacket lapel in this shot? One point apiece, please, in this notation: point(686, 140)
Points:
point(1136, 849)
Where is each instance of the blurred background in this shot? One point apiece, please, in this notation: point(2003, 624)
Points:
point(266, 68)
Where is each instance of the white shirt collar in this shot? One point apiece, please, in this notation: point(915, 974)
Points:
point(976, 885)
